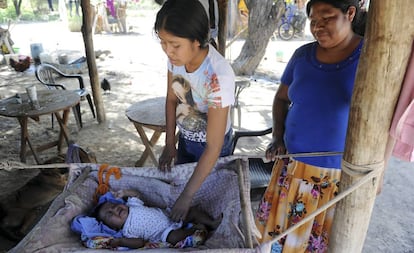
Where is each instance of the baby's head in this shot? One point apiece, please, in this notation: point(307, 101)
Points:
point(111, 211)
point(112, 214)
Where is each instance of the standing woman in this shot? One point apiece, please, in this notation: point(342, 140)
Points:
point(310, 114)
point(183, 29)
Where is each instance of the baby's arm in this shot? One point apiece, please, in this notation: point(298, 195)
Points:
point(132, 243)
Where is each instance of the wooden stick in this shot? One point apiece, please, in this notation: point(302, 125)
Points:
point(236, 37)
point(40, 166)
point(243, 202)
point(309, 154)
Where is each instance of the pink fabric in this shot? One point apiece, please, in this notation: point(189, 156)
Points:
point(402, 126)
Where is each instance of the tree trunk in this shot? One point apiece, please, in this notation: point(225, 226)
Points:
point(381, 69)
point(222, 30)
point(233, 18)
point(90, 57)
point(17, 7)
point(264, 16)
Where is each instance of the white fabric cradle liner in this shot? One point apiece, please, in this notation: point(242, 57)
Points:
point(226, 191)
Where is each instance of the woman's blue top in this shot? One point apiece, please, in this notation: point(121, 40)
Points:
point(320, 96)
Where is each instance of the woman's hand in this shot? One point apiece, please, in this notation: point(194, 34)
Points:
point(167, 157)
point(180, 209)
point(275, 147)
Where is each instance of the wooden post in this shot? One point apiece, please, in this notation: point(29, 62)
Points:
point(387, 48)
point(222, 30)
point(90, 57)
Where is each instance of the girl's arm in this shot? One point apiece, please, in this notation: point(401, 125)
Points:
point(216, 127)
point(169, 152)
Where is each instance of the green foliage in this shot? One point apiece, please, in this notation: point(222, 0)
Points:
point(8, 13)
point(40, 7)
point(38, 10)
point(32, 10)
point(27, 16)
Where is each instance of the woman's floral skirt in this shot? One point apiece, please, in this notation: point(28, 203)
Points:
point(295, 190)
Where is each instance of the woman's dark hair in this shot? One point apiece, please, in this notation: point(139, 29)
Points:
point(184, 18)
point(358, 24)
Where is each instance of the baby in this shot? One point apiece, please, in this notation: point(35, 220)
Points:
point(141, 224)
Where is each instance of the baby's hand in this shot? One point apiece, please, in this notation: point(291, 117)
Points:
point(114, 243)
point(126, 193)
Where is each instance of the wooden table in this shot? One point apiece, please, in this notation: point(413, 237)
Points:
point(56, 102)
point(150, 114)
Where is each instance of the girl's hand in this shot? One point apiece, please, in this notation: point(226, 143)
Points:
point(180, 209)
point(167, 158)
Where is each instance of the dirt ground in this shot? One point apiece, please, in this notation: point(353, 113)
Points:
point(136, 70)
point(135, 66)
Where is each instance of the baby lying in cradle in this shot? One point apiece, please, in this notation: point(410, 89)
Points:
point(138, 225)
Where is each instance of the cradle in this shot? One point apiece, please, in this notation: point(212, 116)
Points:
point(226, 191)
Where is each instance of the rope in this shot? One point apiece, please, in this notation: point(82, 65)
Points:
point(307, 154)
point(359, 170)
point(103, 186)
point(310, 154)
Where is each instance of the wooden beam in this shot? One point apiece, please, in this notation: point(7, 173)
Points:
point(87, 24)
point(387, 48)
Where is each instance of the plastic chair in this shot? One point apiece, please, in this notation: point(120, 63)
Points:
point(49, 75)
point(260, 171)
point(240, 85)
